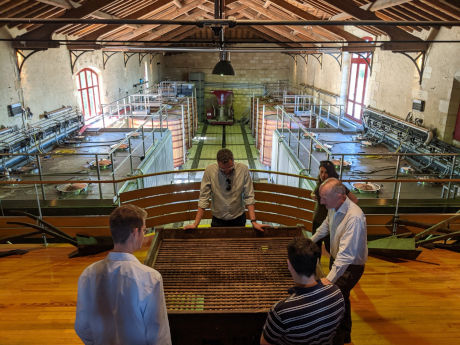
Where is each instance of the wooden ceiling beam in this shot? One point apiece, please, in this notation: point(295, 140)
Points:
point(177, 3)
point(42, 11)
point(396, 14)
point(417, 13)
point(273, 14)
point(307, 16)
point(176, 13)
point(18, 9)
point(11, 5)
point(372, 6)
point(235, 9)
point(179, 34)
point(23, 10)
point(44, 32)
point(283, 31)
point(206, 7)
point(106, 29)
point(318, 6)
point(428, 7)
point(268, 34)
point(162, 30)
point(69, 4)
point(451, 3)
point(395, 33)
point(65, 4)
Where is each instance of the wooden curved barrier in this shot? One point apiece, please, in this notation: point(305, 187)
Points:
point(178, 203)
point(71, 225)
point(284, 205)
point(175, 203)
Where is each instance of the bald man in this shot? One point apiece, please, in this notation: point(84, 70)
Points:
point(346, 225)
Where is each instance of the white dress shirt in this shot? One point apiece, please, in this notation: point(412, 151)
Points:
point(226, 204)
point(348, 233)
point(121, 301)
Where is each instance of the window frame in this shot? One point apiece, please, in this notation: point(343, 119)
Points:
point(92, 104)
point(363, 59)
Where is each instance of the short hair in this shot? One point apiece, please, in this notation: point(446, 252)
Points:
point(123, 220)
point(330, 168)
point(335, 186)
point(224, 155)
point(303, 254)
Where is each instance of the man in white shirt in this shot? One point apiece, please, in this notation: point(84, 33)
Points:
point(346, 225)
point(121, 301)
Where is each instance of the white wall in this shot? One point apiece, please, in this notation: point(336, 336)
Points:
point(47, 82)
point(394, 82)
point(10, 90)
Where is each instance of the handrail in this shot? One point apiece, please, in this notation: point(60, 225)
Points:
point(129, 178)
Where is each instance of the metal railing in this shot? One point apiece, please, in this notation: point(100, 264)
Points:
point(310, 151)
point(96, 173)
point(195, 175)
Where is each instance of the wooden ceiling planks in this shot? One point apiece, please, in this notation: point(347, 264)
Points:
point(280, 10)
point(174, 13)
point(44, 12)
point(143, 13)
point(441, 15)
point(22, 8)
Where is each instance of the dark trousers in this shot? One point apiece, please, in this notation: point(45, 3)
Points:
point(238, 221)
point(345, 283)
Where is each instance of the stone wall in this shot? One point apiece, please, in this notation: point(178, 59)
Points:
point(251, 72)
point(47, 82)
point(394, 82)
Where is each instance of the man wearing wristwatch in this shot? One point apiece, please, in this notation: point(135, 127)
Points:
point(229, 186)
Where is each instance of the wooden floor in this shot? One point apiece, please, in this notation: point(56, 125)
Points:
point(413, 302)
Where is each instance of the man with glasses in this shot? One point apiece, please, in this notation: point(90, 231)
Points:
point(120, 300)
point(229, 186)
point(345, 224)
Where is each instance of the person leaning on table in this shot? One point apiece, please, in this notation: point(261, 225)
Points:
point(229, 186)
point(345, 224)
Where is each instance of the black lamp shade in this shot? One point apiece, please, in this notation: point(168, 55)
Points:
point(223, 67)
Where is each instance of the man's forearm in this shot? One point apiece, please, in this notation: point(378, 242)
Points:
point(322, 231)
point(199, 215)
point(252, 212)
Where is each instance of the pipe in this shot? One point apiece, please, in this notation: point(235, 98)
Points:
point(17, 159)
point(227, 22)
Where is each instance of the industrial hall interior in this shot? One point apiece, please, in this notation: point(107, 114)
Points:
point(105, 103)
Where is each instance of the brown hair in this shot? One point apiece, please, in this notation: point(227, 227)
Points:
point(224, 155)
point(124, 219)
point(330, 168)
point(303, 254)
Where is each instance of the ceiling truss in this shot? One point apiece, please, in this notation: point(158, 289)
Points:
point(139, 26)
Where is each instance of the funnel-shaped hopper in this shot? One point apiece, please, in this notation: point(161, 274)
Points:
point(221, 95)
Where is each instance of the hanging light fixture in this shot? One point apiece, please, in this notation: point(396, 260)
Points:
point(223, 67)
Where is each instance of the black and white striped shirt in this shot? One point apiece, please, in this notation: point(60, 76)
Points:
point(308, 316)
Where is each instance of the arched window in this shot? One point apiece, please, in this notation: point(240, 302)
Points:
point(359, 72)
point(88, 87)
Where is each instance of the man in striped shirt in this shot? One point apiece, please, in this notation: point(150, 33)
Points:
point(313, 311)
